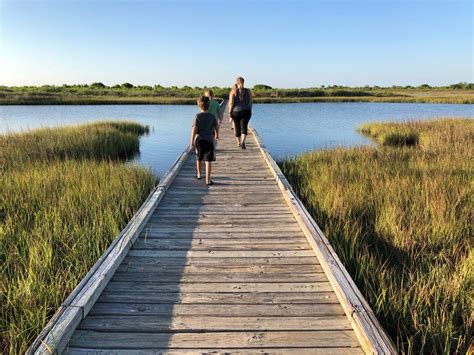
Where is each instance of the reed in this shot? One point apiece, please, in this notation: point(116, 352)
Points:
point(400, 218)
point(64, 196)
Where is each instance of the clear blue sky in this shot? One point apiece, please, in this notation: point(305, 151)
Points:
point(279, 43)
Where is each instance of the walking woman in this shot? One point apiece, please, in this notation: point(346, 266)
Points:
point(240, 109)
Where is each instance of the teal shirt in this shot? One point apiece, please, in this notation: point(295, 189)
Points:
point(214, 109)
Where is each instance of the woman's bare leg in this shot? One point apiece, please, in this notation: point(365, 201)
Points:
point(208, 171)
point(198, 169)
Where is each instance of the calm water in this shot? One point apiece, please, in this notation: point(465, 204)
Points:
point(287, 129)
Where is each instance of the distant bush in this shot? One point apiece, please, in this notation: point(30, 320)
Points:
point(262, 87)
point(126, 86)
point(350, 93)
point(462, 85)
point(97, 85)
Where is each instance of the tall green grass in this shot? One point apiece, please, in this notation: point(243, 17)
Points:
point(64, 196)
point(400, 218)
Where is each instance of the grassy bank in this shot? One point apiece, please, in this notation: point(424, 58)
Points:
point(400, 218)
point(63, 198)
point(452, 99)
point(99, 94)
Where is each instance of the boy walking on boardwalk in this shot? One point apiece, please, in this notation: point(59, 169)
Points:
point(204, 131)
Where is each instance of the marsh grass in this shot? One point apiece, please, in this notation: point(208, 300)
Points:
point(63, 199)
point(395, 98)
point(102, 140)
point(400, 218)
point(100, 94)
point(391, 134)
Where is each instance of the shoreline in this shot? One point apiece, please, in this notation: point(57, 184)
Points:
point(78, 101)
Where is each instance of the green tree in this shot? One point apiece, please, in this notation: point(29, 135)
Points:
point(97, 85)
point(262, 87)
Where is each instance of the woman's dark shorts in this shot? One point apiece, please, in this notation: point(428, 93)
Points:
point(241, 121)
point(205, 150)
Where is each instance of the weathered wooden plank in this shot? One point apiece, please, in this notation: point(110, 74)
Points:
point(136, 265)
point(339, 338)
point(216, 244)
point(262, 200)
point(218, 277)
point(220, 253)
point(210, 323)
point(234, 351)
point(59, 333)
point(211, 211)
point(229, 205)
point(219, 297)
point(216, 213)
point(223, 310)
point(223, 218)
point(220, 287)
point(293, 242)
point(221, 229)
point(219, 194)
point(232, 182)
point(147, 235)
point(230, 261)
point(218, 222)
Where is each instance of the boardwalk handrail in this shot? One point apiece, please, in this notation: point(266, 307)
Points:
point(57, 332)
point(369, 331)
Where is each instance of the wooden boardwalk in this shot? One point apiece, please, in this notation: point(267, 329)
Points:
point(226, 268)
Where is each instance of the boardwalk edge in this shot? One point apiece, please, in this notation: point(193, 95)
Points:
point(369, 331)
point(54, 338)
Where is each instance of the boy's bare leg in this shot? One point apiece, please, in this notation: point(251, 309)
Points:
point(198, 169)
point(208, 171)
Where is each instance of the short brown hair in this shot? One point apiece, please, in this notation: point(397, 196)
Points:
point(203, 103)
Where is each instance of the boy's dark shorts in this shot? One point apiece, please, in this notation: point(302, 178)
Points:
point(205, 150)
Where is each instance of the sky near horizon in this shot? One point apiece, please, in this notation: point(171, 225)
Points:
point(205, 43)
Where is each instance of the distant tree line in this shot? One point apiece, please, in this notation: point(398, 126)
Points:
point(124, 91)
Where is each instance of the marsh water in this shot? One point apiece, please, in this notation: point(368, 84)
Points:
point(286, 129)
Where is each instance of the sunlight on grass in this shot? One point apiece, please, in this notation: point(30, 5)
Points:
point(400, 218)
point(63, 199)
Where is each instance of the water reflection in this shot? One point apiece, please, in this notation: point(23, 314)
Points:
point(287, 129)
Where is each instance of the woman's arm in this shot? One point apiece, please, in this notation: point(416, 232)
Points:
point(231, 101)
point(219, 114)
point(250, 99)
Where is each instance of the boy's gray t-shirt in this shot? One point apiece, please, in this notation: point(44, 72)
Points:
point(205, 124)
